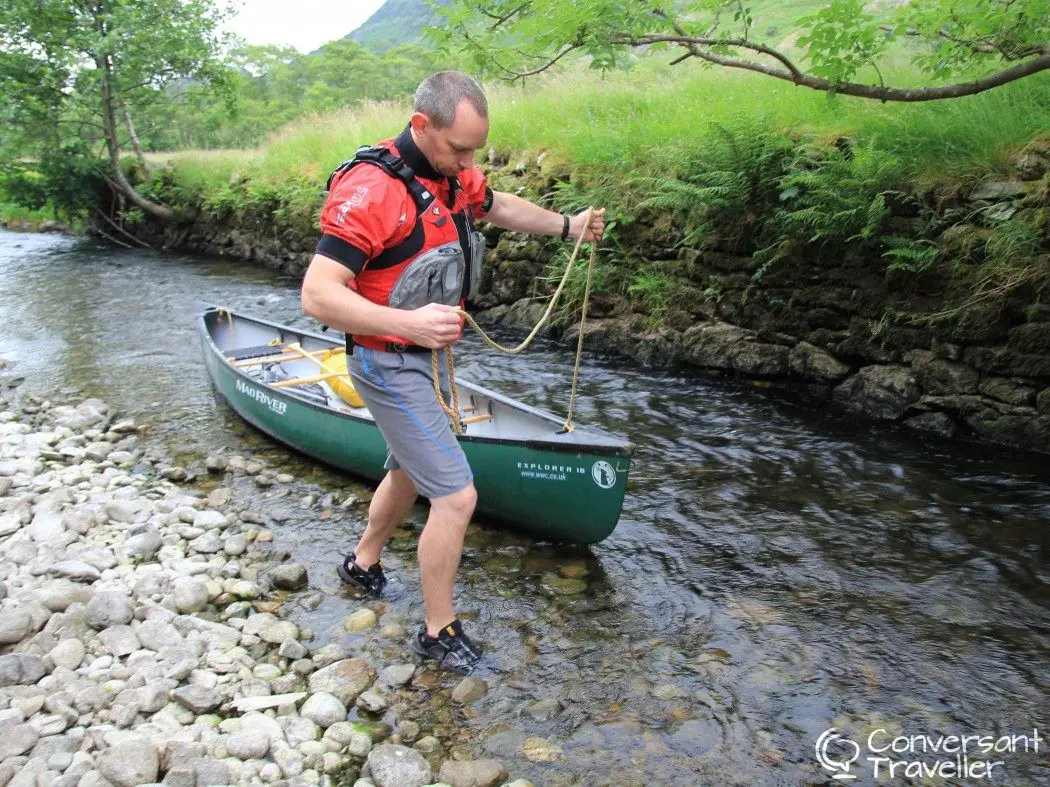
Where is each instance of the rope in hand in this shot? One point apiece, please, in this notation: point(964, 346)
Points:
point(452, 411)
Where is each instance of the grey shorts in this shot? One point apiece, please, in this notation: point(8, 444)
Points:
point(399, 391)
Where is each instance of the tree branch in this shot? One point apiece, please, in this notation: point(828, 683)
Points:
point(499, 20)
point(697, 47)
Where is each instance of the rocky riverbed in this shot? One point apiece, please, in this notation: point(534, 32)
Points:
point(141, 635)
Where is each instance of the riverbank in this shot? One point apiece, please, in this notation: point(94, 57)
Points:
point(142, 636)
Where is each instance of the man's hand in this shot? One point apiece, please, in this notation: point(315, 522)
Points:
point(591, 233)
point(434, 325)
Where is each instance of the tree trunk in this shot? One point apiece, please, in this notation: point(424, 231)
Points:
point(135, 142)
point(110, 126)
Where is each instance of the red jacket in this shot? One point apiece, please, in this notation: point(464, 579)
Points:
point(371, 224)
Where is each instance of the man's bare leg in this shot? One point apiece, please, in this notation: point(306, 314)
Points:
point(440, 547)
point(389, 507)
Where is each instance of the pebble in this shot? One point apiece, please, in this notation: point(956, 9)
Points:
point(392, 765)
point(469, 690)
point(249, 744)
point(361, 620)
point(324, 709)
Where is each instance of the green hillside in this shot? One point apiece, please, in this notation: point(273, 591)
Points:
point(403, 21)
point(396, 22)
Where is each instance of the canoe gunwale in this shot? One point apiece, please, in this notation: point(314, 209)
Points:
point(615, 448)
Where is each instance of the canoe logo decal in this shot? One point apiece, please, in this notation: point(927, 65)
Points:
point(603, 474)
point(262, 397)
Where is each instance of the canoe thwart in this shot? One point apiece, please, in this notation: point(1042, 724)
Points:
point(316, 378)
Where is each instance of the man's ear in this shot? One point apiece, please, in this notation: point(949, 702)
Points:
point(420, 123)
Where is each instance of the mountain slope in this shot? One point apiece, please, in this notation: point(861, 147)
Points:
point(396, 22)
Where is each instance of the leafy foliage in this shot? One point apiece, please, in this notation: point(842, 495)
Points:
point(843, 42)
point(727, 184)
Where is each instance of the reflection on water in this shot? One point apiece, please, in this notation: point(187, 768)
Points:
point(776, 571)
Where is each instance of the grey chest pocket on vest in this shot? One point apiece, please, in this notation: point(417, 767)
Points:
point(477, 257)
point(435, 276)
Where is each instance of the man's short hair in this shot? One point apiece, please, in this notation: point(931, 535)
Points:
point(440, 94)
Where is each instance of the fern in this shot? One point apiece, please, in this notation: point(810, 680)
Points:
point(721, 189)
point(908, 255)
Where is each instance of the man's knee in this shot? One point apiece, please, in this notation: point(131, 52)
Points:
point(458, 506)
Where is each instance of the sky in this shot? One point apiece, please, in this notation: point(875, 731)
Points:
point(304, 24)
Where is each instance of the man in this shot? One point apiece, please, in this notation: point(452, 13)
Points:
point(394, 261)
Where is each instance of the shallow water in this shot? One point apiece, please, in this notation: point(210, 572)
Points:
point(776, 571)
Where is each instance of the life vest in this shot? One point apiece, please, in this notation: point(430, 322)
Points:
point(440, 260)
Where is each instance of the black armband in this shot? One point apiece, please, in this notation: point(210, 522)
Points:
point(335, 248)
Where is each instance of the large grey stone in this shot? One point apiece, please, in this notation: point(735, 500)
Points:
point(938, 376)
point(345, 679)
point(324, 709)
point(197, 698)
point(469, 690)
point(127, 511)
point(397, 674)
point(68, 653)
point(207, 544)
point(109, 608)
point(130, 763)
point(932, 423)
point(289, 576)
point(46, 525)
point(77, 570)
point(879, 391)
point(143, 546)
point(191, 594)
point(156, 634)
point(58, 594)
point(10, 522)
point(15, 741)
point(15, 624)
point(472, 773)
point(712, 344)
point(812, 363)
point(392, 765)
point(248, 744)
point(119, 640)
point(209, 520)
point(20, 669)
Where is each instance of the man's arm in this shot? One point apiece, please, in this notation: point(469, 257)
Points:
point(327, 299)
point(511, 212)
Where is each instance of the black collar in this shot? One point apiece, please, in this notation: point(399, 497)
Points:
point(413, 156)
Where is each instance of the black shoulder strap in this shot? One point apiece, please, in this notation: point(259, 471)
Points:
point(393, 166)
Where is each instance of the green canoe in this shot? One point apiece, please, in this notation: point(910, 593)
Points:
point(557, 486)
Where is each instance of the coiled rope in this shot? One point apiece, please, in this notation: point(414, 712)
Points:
point(452, 409)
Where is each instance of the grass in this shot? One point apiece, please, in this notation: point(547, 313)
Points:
point(18, 216)
point(626, 123)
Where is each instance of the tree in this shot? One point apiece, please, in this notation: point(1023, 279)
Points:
point(75, 71)
point(981, 43)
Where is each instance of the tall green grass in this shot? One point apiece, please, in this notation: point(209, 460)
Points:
point(626, 123)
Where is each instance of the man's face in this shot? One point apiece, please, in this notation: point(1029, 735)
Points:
point(451, 150)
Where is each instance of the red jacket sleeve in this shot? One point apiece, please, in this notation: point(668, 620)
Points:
point(475, 187)
point(366, 212)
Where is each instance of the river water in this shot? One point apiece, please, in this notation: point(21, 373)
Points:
point(776, 571)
